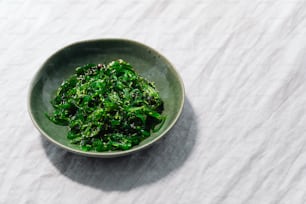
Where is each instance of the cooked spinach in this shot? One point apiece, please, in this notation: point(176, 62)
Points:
point(107, 107)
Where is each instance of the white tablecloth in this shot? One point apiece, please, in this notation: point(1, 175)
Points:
point(241, 138)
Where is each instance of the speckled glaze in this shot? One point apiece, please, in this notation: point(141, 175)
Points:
point(146, 61)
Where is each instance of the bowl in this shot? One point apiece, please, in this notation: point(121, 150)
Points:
point(145, 60)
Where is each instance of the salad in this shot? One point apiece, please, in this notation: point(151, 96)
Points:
point(107, 107)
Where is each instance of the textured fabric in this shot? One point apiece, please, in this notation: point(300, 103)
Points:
point(241, 138)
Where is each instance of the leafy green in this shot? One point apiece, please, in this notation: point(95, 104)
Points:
point(107, 107)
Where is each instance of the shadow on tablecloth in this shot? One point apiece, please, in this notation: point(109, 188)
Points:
point(125, 173)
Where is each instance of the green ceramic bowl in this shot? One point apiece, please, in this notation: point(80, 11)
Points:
point(146, 61)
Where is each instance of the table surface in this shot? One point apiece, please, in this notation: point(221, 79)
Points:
point(241, 138)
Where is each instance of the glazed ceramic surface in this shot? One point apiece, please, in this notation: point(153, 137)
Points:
point(146, 61)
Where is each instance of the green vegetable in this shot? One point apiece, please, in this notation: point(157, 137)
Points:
point(107, 107)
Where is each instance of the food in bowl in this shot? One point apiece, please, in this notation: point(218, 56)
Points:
point(107, 107)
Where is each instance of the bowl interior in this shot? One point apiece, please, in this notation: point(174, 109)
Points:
point(146, 61)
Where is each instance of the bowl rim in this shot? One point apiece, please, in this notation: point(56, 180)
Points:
point(107, 154)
